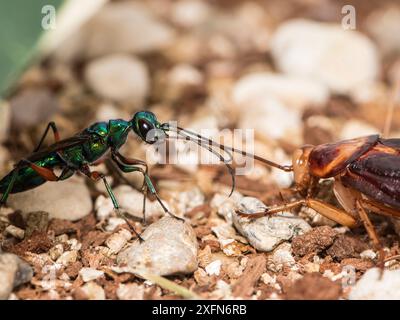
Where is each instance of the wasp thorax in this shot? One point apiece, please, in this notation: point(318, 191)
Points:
point(301, 169)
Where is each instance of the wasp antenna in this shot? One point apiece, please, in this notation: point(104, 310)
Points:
point(270, 163)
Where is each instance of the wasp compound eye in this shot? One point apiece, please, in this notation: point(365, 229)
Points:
point(150, 133)
point(144, 127)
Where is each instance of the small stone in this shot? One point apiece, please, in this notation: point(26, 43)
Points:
point(214, 268)
point(130, 291)
point(376, 286)
point(181, 78)
point(93, 291)
point(224, 205)
point(368, 254)
point(107, 111)
point(15, 231)
point(267, 279)
point(36, 221)
point(114, 223)
point(13, 272)
point(131, 201)
point(118, 27)
point(292, 91)
point(327, 53)
point(311, 267)
point(266, 233)
point(281, 257)
point(32, 106)
point(201, 277)
point(90, 274)
point(170, 247)
point(263, 115)
point(68, 258)
point(384, 25)
point(119, 77)
point(186, 200)
point(117, 240)
point(56, 251)
point(69, 199)
point(189, 14)
point(104, 207)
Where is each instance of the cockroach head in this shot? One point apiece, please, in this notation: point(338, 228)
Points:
point(147, 127)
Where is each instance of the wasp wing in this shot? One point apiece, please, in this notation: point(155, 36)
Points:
point(59, 146)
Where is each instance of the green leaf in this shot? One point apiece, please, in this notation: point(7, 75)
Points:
point(20, 30)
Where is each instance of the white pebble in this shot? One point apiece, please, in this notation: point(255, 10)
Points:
point(327, 53)
point(56, 251)
point(94, 291)
point(67, 258)
point(374, 286)
point(119, 77)
point(15, 231)
point(130, 291)
point(89, 274)
point(368, 254)
point(266, 233)
point(117, 240)
point(214, 268)
point(293, 91)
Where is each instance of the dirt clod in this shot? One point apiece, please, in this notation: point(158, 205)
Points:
point(313, 241)
point(313, 286)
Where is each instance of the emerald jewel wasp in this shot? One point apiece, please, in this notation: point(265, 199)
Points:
point(77, 153)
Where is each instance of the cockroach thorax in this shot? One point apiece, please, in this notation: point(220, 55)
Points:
point(301, 169)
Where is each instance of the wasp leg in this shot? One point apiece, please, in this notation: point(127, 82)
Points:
point(145, 188)
point(128, 168)
point(53, 126)
point(327, 210)
point(4, 197)
point(371, 232)
point(96, 176)
point(45, 173)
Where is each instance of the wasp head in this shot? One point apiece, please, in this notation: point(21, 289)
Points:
point(147, 127)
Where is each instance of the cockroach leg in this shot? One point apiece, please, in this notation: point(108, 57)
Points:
point(380, 208)
point(272, 210)
point(371, 232)
point(327, 210)
point(338, 215)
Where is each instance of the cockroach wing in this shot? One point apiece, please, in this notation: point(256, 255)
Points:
point(392, 143)
point(377, 175)
point(328, 160)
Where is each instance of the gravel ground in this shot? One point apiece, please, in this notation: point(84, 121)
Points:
point(288, 70)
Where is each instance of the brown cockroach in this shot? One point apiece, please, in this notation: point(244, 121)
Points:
point(366, 173)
